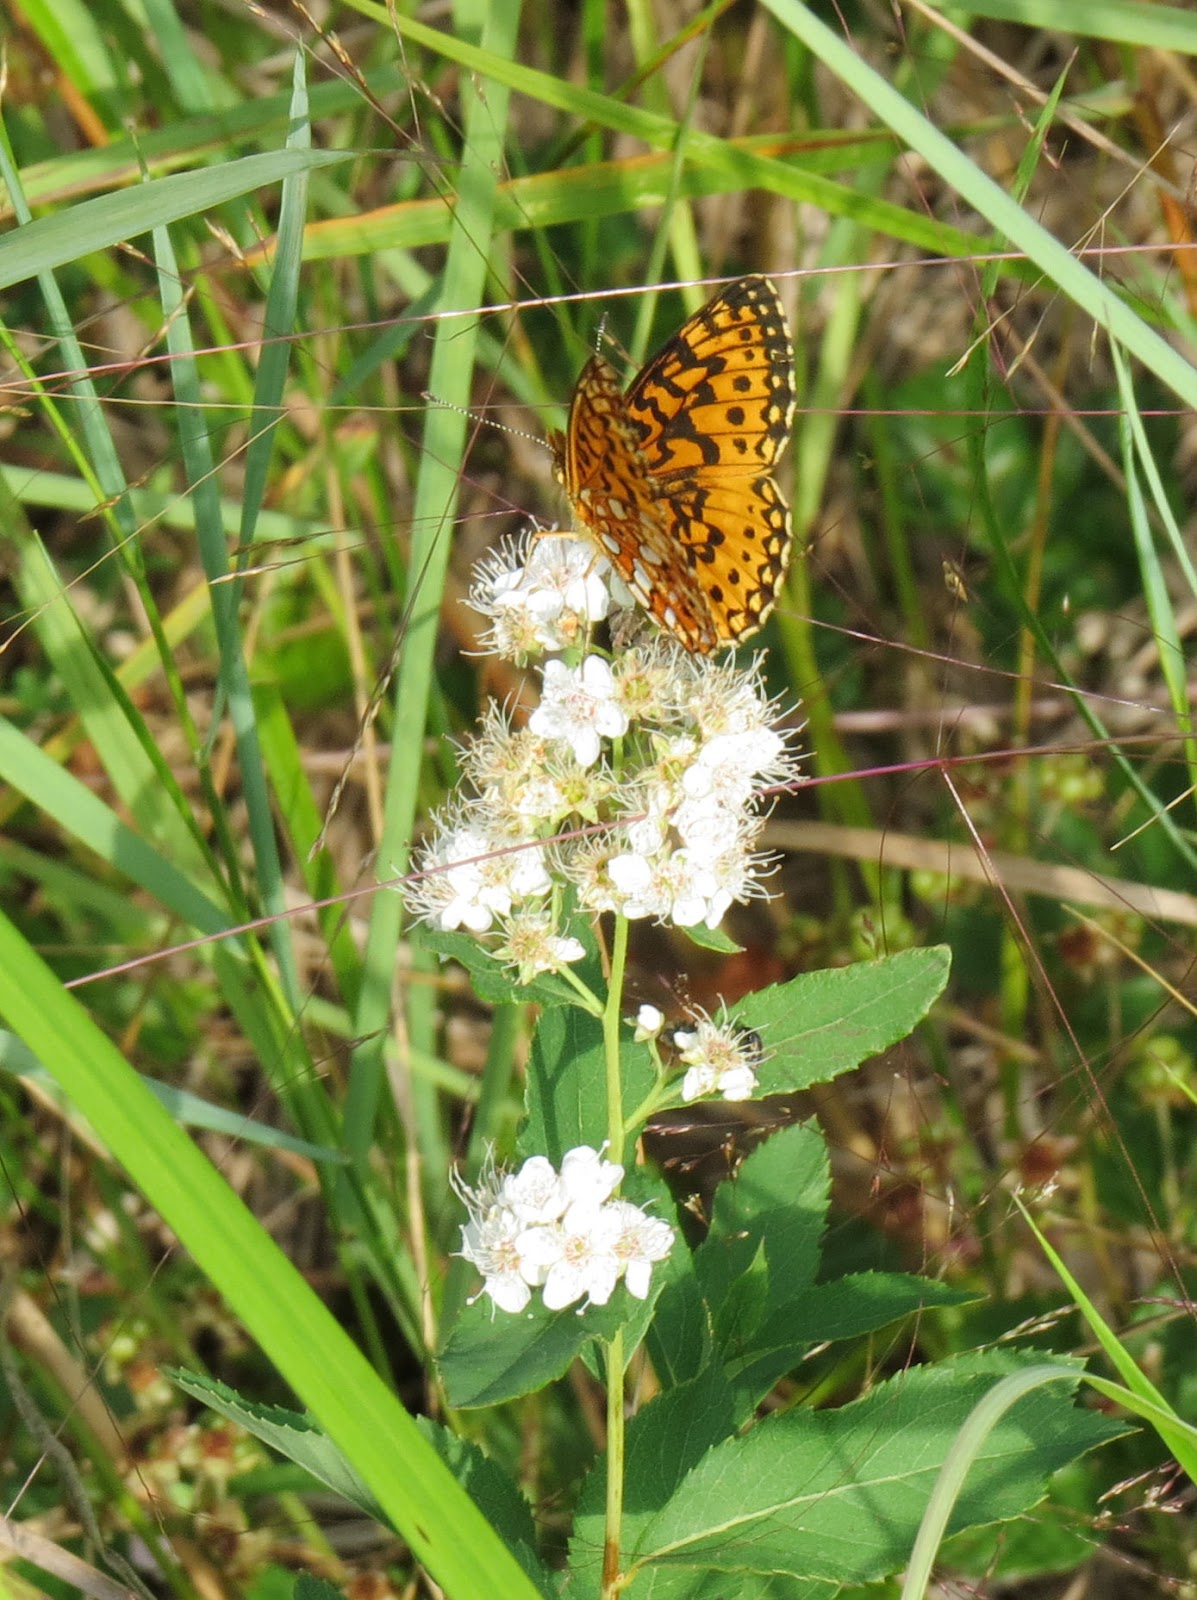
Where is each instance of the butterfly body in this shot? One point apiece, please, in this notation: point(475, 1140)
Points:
point(674, 479)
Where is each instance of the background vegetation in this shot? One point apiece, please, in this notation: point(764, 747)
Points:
point(245, 247)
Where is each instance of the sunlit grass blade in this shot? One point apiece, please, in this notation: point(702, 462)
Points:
point(304, 1341)
point(1177, 1435)
point(109, 219)
point(1059, 264)
point(464, 284)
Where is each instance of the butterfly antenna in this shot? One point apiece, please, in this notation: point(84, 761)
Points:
point(480, 421)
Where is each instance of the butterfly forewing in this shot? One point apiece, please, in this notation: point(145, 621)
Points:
point(720, 394)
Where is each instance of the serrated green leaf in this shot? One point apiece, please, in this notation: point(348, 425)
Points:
point(290, 1433)
point(843, 1309)
point(777, 1203)
point(492, 1358)
point(821, 1024)
point(838, 1495)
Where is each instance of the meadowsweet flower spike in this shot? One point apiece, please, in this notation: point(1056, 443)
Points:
point(634, 788)
point(559, 1232)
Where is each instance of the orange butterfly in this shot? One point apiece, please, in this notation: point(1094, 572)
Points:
point(674, 479)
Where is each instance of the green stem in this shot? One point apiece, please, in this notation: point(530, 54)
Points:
point(612, 1573)
point(612, 1022)
point(662, 1098)
point(590, 1000)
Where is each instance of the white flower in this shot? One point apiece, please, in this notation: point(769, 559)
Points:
point(730, 698)
point(682, 886)
point(491, 1244)
point(729, 766)
point(470, 874)
point(584, 862)
point(578, 706)
point(721, 1058)
point(573, 570)
point(642, 1240)
point(732, 876)
point(640, 885)
point(652, 679)
point(699, 894)
point(649, 1022)
point(558, 1232)
point(532, 947)
point(534, 1193)
point(544, 592)
point(578, 1257)
point(737, 1083)
point(526, 780)
point(586, 1178)
point(648, 835)
point(543, 798)
point(708, 826)
point(698, 1082)
point(450, 890)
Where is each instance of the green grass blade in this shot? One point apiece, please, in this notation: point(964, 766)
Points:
point(1181, 1436)
point(112, 218)
point(83, 816)
point(466, 270)
point(72, 37)
point(737, 167)
point(201, 471)
point(1148, 27)
point(445, 1530)
point(1164, 626)
point(1090, 293)
point(138, 775)
point(279, 321)
point(1175, 1438)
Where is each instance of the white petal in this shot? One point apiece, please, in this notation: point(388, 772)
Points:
point(564, 1285)
point(509, 1292)
point(638, 1278)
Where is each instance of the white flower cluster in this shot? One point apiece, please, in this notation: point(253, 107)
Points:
point(643, 771)
point(544, 592)
point(559, 1232)
point(720, 1057)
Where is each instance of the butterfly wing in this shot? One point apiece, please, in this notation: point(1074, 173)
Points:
point(673, 480)
point(719, 395)
point(736, 538)
point(602, 467)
